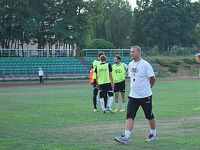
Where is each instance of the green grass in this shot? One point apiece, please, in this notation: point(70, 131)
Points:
point(62, 118)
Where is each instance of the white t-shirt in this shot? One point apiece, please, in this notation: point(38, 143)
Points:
point(139, 74)
point(41, 73)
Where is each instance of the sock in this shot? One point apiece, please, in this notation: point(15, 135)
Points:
point(153, 132)
point(102, 104)
point(124, 106)
point(97, 98)
point(110, 101)
point(127, 133)
point(117, 106)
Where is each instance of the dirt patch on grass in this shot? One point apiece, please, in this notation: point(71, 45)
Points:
point(110, 127)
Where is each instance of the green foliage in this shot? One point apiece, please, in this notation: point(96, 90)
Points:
point(189, 61)
point(41, 22)
point(100, 44)
point(197, 32)
point(160, 23)
point(187, 67)
point(162, 63)
point(173, 68)
point(110, 20)
point(176, 63)
point(156, 23)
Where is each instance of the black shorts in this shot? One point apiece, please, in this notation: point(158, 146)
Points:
point(105, 89)
point(134, 104)
point(95, 84)
point(120, 87)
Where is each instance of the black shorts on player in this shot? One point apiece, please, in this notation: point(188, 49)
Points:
point(120, 87)
point(95, 83)
point(135, 103)
point(95, 94)
point(106, 89)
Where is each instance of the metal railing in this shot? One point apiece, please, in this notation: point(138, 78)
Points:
point(35, 52)
point(122, 53)
point(108, 52)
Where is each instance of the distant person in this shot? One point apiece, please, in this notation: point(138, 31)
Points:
point(95, 90)
point(119, 74)
point(104, 81)
point(197, 55)
point(142, 80)
point(41, 74)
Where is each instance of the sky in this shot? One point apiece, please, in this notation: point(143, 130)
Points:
point(133, 2)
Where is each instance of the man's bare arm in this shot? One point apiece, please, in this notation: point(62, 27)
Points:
point(111, 78)
point(152, 81)
point(127, 74)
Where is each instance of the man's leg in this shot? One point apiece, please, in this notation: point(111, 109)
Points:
point(123, 101)
point(152, 124)
point(129, 125)
point(105, 100)
point(110, 100)
point(102, 95)
point(98, 98)
point(147, 108)
point(122, 90)
point(117, 101)
point(40, 79)
point(132, 108)
point(95, 93)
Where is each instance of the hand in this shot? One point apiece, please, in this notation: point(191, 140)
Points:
point(97, 86)
point(113, 85)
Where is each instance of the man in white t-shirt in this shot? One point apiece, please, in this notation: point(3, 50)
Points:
point(41, 74)
point(142, 80)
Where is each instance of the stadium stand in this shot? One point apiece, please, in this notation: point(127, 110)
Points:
point(28, 65)
point(20, 67)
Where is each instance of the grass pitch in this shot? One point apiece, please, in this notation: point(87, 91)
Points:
point(62, 118)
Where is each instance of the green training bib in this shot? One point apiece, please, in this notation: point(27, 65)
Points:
point(95, 64)
point(103, 74)
point(118, 72)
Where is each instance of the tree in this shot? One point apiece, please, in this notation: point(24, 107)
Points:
point(163, 23)
point(110, 20)
point(41, 22)
point(197, 31)
point(100, 44)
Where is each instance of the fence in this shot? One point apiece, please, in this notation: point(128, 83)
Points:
point(35, 52)
point(122, 53)
point(108, 52)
